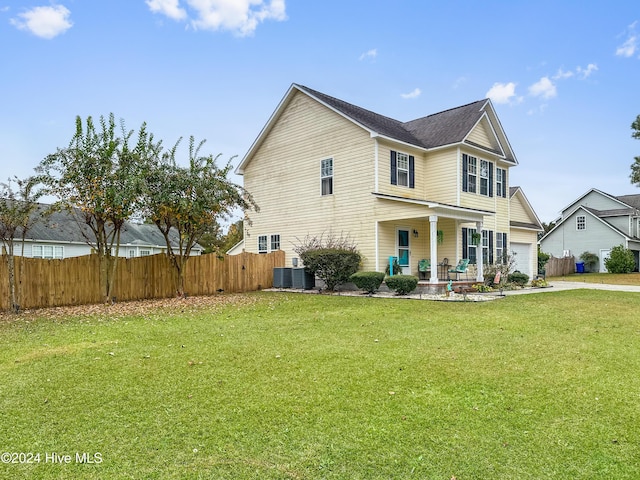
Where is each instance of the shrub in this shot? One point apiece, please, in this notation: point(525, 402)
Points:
point(332, 259)
point(481, 287)
point(402, 284)
point(543, 258)
point(590, 260)
point(621, 260)
point(368, 281)
point(539, 283)
point(518, 278)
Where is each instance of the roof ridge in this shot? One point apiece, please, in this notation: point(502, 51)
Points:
point(448, 110)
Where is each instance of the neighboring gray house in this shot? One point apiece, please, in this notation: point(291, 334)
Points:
point(58, 235)
point(595, 223)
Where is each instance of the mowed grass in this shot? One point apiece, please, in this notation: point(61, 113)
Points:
point(290, 386)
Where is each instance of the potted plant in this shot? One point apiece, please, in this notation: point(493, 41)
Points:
point(476, 238)
point(440, 235)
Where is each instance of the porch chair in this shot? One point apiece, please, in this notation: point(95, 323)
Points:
point(424, 266)
point(461, 267)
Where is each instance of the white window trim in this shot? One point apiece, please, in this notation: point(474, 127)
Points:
point(405, 159)
point(584, 222)
point(324, 176)
point(57, 251)
point(268, 244)
point(472, 187)
point(484, 177)
point(271, 249)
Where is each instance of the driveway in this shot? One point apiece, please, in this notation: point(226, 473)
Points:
point(562, 285)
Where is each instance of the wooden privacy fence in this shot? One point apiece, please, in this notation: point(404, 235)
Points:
point(76, 280)
point(558, 267)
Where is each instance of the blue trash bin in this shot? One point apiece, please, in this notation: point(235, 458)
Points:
point(579, 267)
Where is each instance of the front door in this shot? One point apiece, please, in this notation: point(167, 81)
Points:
point(404, 253)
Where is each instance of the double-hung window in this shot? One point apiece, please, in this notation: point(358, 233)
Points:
point(262, 244)
point(501, 182)
point(484, 177)
point(275, 242)
point(403, 169)
point(326, 176)
point(501, 248)
point(581, 222)
point(470, 173)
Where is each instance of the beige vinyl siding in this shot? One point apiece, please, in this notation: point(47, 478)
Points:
point(518, 211)
point(483, 135)
point(284, 178)
point(441, 183)
point(384, 171)
point(522, 236)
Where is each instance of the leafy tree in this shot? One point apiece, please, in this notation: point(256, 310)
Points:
point(97, 179)
point(17, 208)
point(635, 167)
point(189, 201)
point(621, 260)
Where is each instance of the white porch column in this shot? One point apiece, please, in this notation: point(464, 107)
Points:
point(479, 255)
point(433, 236)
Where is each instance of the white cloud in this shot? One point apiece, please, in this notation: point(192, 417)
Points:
point(239, 16)
point(502, 92)
point(170, 8)
point(630, 45)
point(371, 54)
point(543, 88)
point(414, 94)
point(561, 74)
point(44, 22)
point(586, 72)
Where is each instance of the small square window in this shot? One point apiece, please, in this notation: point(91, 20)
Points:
point(581, 222)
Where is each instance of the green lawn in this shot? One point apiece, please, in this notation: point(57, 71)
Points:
point(290, 386)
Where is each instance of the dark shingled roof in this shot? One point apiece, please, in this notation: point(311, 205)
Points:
point(444, 128)
point(60, 226)
point(631, 200)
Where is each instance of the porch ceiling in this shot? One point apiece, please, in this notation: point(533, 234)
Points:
point(424, 208)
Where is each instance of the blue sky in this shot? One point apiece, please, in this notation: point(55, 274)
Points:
point(563, 76)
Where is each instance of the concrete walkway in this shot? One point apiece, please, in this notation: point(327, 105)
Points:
point(562, 285)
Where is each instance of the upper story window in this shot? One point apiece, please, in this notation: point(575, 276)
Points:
point(581, 222)
point(470, 173)
point(402, 169)
point(501, 182)
point(326, 176)
point(477, 175)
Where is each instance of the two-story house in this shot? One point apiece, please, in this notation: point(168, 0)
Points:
point(595, 222)
point(414, 190)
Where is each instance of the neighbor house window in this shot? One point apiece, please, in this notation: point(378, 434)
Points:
point(501, 182)
point(47, 251)
point(581, 222)
point(275, 242)
point(326, 176)
point(145, 253)
point(131, 253)
point(262, 244)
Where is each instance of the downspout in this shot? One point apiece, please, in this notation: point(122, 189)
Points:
point(375, 164)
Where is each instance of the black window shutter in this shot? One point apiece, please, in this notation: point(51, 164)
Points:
point(504, 184)
point(465, 247)
point(490, 247)
point(491, 180)
point(394, 169)
point(465, 171)
point(412, 172)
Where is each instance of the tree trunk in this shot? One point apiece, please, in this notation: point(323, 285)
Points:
point(15, 308)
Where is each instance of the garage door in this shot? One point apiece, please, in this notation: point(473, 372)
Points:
point(522, 252)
